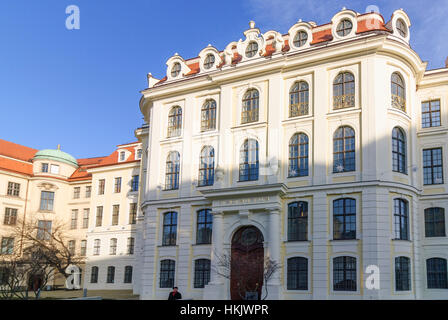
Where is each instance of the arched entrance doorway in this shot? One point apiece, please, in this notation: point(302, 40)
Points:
point(247, 264)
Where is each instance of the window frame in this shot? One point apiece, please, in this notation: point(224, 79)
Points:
point(206, 166)
point(399, 151)
point(345, 140)
point(302, 221)
point(168, 268)
point(208, 115)
point(246, 163)
point(207, 224)
point(174, 127)
point(398, 101)
point(169, 238)
point(298, 152)
point(432, 224)
point(301, 270)
point(432, 166)
point(345, 270)
point(431, 114)
point(172, 171)
point(250, 106)
point(202, 271)
point(401, 219)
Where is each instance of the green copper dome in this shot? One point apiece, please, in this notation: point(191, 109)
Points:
point(56, 155)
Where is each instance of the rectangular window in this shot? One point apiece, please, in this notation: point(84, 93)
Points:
point(96, 247)
point(74, 221)
point(297, 273)
point(99, 216)
point(115, 214)
point(431, 114)
point(344, 274)
point(201, 273)
point(7, 245)
point(139, 154)
point(110, 274)
point(54, 169)
point(88, 191)
point(94, 275)
point(130, 248)
point(46, 200)
point(128, 274)
point(44, 230)
point(44, 167)
point(434, 222)
point(402, 274)
point(71, 247)
point(113, 246)
point(83, 247)
point(101, 186)
point(432, 166)
point(76, 192)
point(133, 213)
point(85, 218)
point(10, 216)
point(117, 185)
point(13, 189)
point(134, 183)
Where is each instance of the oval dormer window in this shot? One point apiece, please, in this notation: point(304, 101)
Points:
point(300, 39)
point(209, 61)
point(251, 49)
point(175, 70)
point(344, 28)
point(402, 28)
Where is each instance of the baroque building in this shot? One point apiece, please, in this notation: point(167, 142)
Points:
point(94, 200)
point(321, 151)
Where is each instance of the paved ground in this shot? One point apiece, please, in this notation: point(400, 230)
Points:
point(105, 294)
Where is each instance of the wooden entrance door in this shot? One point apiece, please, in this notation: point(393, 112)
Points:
point(247, 262)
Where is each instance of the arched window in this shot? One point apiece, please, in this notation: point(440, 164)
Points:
point(167, 271)
point(298, 99)
point(209, 61)
point(401, 219)
point(175, 121)
point(172, 171)
point(298, 221)
point(436, 273)
point(127, 274)
point(251, 49)
point(398, 92)
point(344, 273)
point(201, 273)
point(344, 91)
point(204, 226)
point(300, 38)
point(398, 151)
point(401, 28)
point(344, 28)
point(208, 115)
point(344, 219)
point(435, 222)
point(249, 160)
point(207, 166)
point(298, 155)
point(169, 229)
point(94, 275)
point(344, 149)
point(250, 106)
point(175, 70)
point(402, 274)
point(297, 273)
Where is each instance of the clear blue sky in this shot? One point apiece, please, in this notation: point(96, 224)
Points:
point(80, 88)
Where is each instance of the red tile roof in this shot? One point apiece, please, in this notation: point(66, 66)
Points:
point(16, 151)
point(22, 156)
point(372, 23)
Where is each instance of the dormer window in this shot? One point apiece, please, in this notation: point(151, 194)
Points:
point(44, 167)
point(209, 61)
point(122, 156)
point(402, 28)
point(251, 49)
point(344, 28)
point(175, 70)
point(300, 39)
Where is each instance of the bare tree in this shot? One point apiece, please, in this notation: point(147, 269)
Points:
point(51, 246)
point(229, 268)
point(12, 277)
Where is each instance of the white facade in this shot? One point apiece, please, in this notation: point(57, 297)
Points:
point(371, 52)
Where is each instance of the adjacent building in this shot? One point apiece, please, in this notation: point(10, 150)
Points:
point(322, 151)
point(94, 199)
